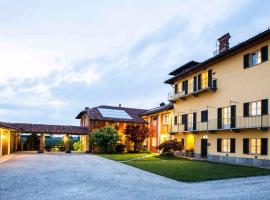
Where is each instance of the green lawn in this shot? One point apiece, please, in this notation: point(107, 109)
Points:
point(124, 157)
point(188, 170)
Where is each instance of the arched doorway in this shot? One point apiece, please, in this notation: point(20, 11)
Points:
point(204, 145)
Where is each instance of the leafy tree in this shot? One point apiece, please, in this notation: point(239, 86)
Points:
point(78, 146)
point(136, 134)
point(106, 139)
point(169, 147)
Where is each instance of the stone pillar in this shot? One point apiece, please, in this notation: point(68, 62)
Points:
point(66, 144)
point(41, 143)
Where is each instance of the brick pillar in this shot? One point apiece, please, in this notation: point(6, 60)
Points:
point(41, 143)
point(66, 143)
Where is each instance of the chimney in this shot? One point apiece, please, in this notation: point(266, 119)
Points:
point(86, 108)
point(162, 104)
point(224, 42)
point(120, 105)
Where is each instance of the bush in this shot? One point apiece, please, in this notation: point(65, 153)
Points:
point(120, 148)
point(78, 146)
point(106, 139)
point(169, 147)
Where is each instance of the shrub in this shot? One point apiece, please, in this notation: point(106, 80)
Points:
point(120, 148)
point(169, 147)
point(78, 146)
point(106, 139)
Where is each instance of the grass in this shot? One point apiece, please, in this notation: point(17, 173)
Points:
point(188, 170)
point(124, 157)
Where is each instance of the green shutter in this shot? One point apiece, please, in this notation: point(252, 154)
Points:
point(264, 52)
point(264, 146)
point(219, 145)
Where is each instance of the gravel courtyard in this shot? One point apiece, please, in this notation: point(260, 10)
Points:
point(83, 176)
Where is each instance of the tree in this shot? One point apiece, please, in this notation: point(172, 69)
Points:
point(169, 147)
point(106, 139)
point(137, 135)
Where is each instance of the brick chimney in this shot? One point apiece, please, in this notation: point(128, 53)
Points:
point(224, 42)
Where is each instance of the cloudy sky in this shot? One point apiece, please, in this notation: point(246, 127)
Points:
point(58, 56)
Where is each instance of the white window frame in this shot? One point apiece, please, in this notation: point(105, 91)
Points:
point(190, 121)
point(258, 55)
point(226, 117)
point(166, 119)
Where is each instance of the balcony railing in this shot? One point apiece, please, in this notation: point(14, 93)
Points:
point(172, 96)
point(258, 122)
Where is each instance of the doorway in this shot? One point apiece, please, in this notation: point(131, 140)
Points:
point(204, 145)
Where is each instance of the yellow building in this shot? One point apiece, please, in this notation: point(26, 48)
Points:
point(221, 104)
point(159, 122)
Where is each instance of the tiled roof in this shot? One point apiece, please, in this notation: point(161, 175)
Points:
point(45, 128)
point(221, 56)
point(157, 109)
point(94, 114)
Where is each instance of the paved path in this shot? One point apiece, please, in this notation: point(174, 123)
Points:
point(84, 176)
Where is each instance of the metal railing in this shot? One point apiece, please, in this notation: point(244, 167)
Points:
point(239, 122)
point(172, 96)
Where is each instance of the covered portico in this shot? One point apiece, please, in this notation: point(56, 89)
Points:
point(42, 129)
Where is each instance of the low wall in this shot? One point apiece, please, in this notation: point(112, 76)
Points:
point(228, 159)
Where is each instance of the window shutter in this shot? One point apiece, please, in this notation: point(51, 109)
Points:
point(219, 121)
point(265, 107)
point(183, 142)
point(233, 116)
point(264, 147)
point(246, 61)
point(218, 145)
point(185, 86)
point(184, 121)
point(175, 120)
point(246, 146)
point(176, 89)
point(194, 121)
point(246, 109)
point(199, 81)
point(204, 116)
point(195, 83)
point(210, 78)
point(232, 150)
point(264, 51)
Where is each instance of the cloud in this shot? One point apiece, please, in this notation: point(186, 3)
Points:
point(120, 55)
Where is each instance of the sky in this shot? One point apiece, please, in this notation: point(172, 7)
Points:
point(59, 56)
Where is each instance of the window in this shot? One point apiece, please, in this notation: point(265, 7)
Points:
point(176, 89)
point(175, 120)
point(154, 121)
point(154, 142)
point(204, 80)
point(190, 121)
point(256, 57)
point(226, 145)
point(226, 117)
point(165, 119)
point(255, 108)
point(255, 146)
point(204, 116)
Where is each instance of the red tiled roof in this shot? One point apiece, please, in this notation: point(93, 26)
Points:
point(94, 114)
point(45, 128)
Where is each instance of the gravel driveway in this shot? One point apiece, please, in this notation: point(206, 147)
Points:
point(83, 176)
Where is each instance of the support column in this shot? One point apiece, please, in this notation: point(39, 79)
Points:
point(1, 138)
point(66, 144)
point(41, 143)
point(87, 141)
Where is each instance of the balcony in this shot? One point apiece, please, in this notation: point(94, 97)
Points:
point(172, 96)
point(252, 122)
